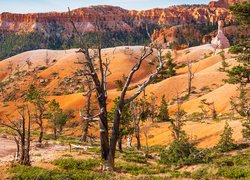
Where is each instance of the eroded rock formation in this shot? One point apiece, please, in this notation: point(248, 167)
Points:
point(112, 18)
point(220, 41)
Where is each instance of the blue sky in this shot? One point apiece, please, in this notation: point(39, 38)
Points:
point(24, 6)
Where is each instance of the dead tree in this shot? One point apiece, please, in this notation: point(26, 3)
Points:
point(145, 131)
point(108, 147)
point(140, 112)
point(17, 154)
point(10, 68)
point(36, 97)
point(29, 63)
point(100, 84)
point(2, 89)
point(87, 114)
point(22, 129)
point(125, 100)
point(136, 120)
point(178, 122)
point(190, 77)
point(211, 107)
point(153, 106)
point(47, 59)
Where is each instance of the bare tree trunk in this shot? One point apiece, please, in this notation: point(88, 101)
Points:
point(104, 134)
point(55, 132)
point(214, 113)
point(27, 150)
point(146, 137)
point(23, 134)
point(40, 138)
point(85, 131)
point(108, 147)
point(114, 135)
point(120, 144)
point(137, 136)
point(23, 142)
point(190, 77)
point(17, 149)
point(88, 118)
point(129, 141)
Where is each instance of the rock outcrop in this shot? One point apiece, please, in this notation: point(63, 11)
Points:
point(111, 18)
point(220, 41)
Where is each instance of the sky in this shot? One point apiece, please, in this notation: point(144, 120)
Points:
point(29, 6)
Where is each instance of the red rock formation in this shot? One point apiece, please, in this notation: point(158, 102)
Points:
point(229, 31)
point(220, 41)
point(113, 18)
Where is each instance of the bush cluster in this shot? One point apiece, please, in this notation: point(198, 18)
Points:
point(181, 152)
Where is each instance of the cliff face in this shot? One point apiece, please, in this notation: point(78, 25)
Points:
point(111, 18)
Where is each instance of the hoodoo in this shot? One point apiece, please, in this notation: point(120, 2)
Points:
point(220, 41)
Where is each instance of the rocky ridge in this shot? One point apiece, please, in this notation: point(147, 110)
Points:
point(111, 18)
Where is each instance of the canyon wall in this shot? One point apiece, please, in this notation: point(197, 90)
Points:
point(111, 18)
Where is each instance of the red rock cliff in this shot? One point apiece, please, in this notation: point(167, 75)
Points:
point(113, 18)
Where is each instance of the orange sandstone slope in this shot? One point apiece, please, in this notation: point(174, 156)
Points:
point(58, 79)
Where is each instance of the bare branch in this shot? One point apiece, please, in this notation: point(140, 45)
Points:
point(73, 24)
point(149, 80)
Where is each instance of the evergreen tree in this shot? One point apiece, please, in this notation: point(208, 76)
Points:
point(168, 69)
point(163, 111)
point(223, 62)
point(240, 74)
point(226, 140)
point(170, 65)
point(246, 128)
point(57, 117)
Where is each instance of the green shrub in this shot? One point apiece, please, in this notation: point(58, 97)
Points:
point(28, 172)
point(181, 152)
point(146, 169)
point(42, 68)
point(234, 172)
point(205, 88)
point(226, 140)
point(138, 158)
point(201, 173)
point(236, 49)
point(156, 148)
point(70, 163)
point(119, 84)
point(238, 160)
point(196, 116)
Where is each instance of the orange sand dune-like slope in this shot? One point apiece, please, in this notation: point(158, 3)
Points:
point(62, 64)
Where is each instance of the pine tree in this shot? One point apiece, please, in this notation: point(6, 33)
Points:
point(57, 116)
point(163, 111)
point(240, 74)
point(223, 62)
point(170, 66)
point(168, 69)
point(226, 140)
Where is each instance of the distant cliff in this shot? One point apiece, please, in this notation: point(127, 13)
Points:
point(183, 24)
point(111, 18)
